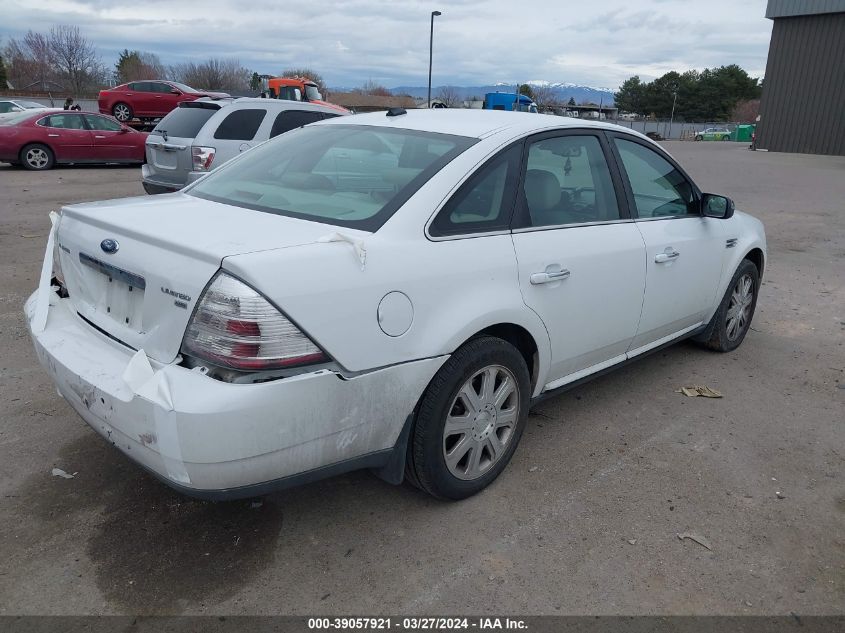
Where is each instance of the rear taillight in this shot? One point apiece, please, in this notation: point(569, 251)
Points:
point(235, 327)
point(202, 157)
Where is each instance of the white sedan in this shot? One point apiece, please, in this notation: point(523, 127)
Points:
point(389, 291)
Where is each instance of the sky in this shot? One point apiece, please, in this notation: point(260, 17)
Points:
point(476, 42)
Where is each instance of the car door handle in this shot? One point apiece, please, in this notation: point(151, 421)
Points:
point(98, 136)
point(667, 256)
point(548, 276)
point(54, 135)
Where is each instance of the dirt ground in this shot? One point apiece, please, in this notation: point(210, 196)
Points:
point(584, 521)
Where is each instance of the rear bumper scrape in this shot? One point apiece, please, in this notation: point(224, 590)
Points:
point(221, 440)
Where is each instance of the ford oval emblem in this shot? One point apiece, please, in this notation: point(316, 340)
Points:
point(109, 246)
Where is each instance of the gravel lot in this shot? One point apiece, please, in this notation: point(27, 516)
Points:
point(585, 519)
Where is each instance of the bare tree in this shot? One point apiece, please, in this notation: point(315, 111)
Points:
point(545, 96)
point(213, 74)
point(307, 73)
point(29, 61)
point(449, 96)
point(746, 111)
point(75, 58)
point(370, 87)
point(135, 65)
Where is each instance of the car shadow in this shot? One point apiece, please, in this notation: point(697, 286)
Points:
point(156, 551)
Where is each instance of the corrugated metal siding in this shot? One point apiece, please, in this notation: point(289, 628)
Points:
point(803, 104)
point(787, 8)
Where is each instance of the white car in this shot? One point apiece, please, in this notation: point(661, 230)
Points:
point(16, 105)
point(386, 291)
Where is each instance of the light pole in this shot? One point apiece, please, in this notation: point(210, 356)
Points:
point(430, 53)
point(672, 116)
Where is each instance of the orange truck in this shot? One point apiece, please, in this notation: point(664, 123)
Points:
point(296, 89)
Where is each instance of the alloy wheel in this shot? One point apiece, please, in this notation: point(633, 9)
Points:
point(37, 158)
point(739, 307)
point(121, 112)
point(481, 422)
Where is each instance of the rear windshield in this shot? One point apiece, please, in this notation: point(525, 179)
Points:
point(345, 175)
point(183, 122)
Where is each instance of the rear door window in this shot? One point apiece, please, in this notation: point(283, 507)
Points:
point(184, 122)
point(140, 86)
point(292, 119)
point(102, 123)
point(240, 125)
point(567, 181)
point(65, 121)
point(485, 202)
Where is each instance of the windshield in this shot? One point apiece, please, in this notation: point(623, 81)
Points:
point(184, 88)
point(346, 175)
point(29, 105)
point(312, 94)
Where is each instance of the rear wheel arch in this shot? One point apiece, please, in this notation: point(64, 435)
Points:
point(521, 339)
point(756, 257)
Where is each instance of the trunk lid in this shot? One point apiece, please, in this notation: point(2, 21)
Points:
point(135, 268)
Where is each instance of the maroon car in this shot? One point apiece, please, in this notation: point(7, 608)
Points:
point(39, 139)
point(148, 99)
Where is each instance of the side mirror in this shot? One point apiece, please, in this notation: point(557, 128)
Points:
point(715, 206)
point(173, 91)
point(123, 130)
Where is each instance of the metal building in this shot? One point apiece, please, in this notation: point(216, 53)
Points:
point(802, 108)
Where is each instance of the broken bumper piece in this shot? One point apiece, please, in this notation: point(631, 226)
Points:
point(219, 440)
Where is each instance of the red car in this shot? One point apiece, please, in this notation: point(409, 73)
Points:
point(39, 139)
point(148, 99)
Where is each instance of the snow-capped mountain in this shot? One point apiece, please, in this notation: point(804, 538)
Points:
point(562, 91)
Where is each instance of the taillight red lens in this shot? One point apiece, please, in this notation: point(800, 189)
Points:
point(234, 326)
point(202, 157)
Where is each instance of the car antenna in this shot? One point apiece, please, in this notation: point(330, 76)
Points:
point(396, 112)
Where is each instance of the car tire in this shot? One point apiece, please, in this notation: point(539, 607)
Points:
point(726, 138)
point(37, 157)
point(122, 112)
point(730, 324)
point(699, 138)
point(483, 392)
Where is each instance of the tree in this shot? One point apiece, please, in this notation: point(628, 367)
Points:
point(29, 61)
point(2, 74)
point(75, 58)
point(255, 82)
point(526, 90)
point(630, 97)
point(746, 111)
point(449, 95)
point(571, 101)
point(213, 74)
point(370, 87)
point(308, 73)
point(135, 65)
point(709, 95)
point(545, 96)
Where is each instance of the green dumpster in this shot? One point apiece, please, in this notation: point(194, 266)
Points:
point(743, 133)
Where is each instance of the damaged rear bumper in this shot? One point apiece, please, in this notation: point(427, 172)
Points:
point(213, 439)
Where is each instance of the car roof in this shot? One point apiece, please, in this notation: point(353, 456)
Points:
point(474, 122)
point(279, 104)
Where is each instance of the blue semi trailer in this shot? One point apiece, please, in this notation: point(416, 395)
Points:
point(508, 101)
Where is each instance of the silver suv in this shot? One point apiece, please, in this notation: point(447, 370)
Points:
point(201, 135)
